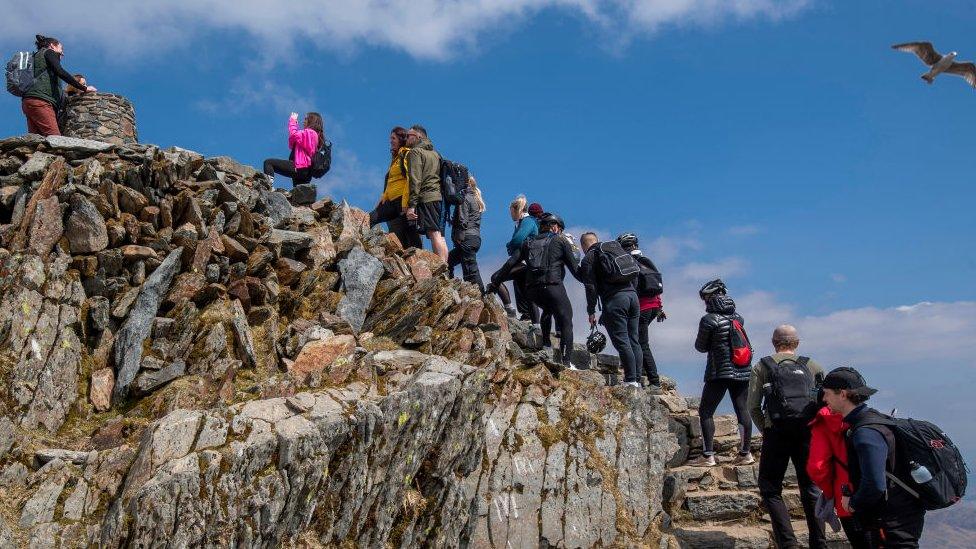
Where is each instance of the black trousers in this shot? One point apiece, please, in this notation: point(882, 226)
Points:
point(391, 212)
point(896, 532)
point(644, 336)
point(526, 308)
point(621, 318)
point(782, 444)
point(285, 167)
point(856, 535)
point(554, 300)
point(465, 253)
point(712, 394)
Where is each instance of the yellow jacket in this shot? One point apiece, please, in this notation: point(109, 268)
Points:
point(397, 186)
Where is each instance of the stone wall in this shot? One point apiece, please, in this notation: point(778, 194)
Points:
point(102, 117)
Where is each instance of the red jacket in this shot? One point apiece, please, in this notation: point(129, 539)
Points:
point(827, 464)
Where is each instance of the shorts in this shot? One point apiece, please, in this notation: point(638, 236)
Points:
point(430, 217)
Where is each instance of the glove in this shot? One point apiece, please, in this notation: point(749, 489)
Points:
point(661, 316)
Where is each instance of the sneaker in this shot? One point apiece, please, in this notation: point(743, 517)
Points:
point(632, 384)
point(571, 367)
point(744, 459)
point(703, 461)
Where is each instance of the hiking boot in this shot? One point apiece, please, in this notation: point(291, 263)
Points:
point(744, 459)
point(702, 461)
point(511, 311)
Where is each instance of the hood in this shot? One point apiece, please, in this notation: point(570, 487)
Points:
point(721, 304)
point(831, 421)
point(425, 144)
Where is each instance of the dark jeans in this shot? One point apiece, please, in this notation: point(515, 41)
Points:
point(286, 168)
point(465, 253)
point(896, 532)
point(621, 317)
point(554, 300)
point(712, 394)
point(650, 367)
point(855, 534)
point(391, 212)
point(781, 444)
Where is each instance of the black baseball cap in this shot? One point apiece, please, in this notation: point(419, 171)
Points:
point(847, 378)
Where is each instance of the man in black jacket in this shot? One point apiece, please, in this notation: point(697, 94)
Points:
point(715, 338)
point(547, 257)
point(621, 309)
point(890, 516)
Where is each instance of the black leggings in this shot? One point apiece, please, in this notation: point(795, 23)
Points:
point(286, 168)
point(554, 300)
point(465, 253)
point(523, 301)
point(644, 336)
point(712, 394)
point(391, 212)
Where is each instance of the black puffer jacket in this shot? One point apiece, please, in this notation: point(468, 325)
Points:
point(714, 338)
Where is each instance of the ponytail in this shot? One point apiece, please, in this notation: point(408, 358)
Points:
point(518, 205)
point(473, 185)
point(42, 41)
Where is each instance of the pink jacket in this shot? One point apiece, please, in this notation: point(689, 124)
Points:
point(303, 142)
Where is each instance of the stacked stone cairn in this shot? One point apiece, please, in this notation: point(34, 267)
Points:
point(101, 116)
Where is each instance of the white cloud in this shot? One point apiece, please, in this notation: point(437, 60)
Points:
point(425, 29)
point(744, 230)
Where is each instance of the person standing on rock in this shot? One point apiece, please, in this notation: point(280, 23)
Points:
point(782, 401)
point(303, 144)
point(425, 205)
point(547, 256)
point(526, 227)
point(721, 375)
point(42, 102)
point(649, 290)
point(616, 290)
point(466, 234)
point(393, 203)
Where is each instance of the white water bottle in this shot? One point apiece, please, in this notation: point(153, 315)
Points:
point(920, 473)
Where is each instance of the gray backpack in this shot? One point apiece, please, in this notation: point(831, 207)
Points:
point(20, 73)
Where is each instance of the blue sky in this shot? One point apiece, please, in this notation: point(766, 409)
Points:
point(781, 145)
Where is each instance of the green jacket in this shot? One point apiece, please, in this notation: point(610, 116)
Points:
point(424, 174)
point(758, 379)
point(46, 87)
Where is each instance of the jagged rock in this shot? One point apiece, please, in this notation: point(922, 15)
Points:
point(130, 200)
point(63, 143)
point(360, 273)
point(290, 242)
point(149, 380)
point(276, 206)
point(35, 166)
point(320, 354)
point(85, 227)
point(45, 455)
point(100, 390)
point(7, 436)
point(721, 505)
point(133, 252)
point(303, 194)
point(129, 340)
point(46, 227)
point(234, 250)
point(323, 249)
point(243, 336)
point(289, 270)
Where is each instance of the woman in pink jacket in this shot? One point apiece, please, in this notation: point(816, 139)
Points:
point(303, 144)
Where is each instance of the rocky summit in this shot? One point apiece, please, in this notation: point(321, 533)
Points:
point(191, 358)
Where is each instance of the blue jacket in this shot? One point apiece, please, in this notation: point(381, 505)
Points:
point(527, 226)
point(872, 453)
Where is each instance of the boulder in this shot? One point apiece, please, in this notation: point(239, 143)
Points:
point(360, 273)
point(302, 195)
point(85, 227)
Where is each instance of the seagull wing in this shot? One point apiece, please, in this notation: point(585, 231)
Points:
point(965, 70)
point(923, 50)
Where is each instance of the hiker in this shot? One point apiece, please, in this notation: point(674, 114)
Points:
point(525, 227)
point(72, 91)
point(547, 256)
point(392, 205)
point(715, 335)
point(888, 513)
point(782, 401)
point(44, 99)
point(425, 206)
point(827, 466)
point(303, 144)
point(536, 211)
point(649, 290)
point(466, 234)
point(615, 289)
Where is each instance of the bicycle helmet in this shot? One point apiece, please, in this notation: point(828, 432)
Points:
point(712, 287)
point(628, 241)
point(596, 341)
point(551, 219)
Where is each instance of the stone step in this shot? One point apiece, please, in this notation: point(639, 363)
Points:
point(721, 505)
point(724, 536)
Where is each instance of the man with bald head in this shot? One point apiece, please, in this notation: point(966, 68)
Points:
point(782, 401)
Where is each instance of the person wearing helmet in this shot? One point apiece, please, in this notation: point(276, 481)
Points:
point(649, 289)
point(721, 375)
point(547, 256)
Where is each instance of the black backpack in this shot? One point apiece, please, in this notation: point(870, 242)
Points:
point(649, 282)
point(454, 182)
point(616, 265)
point(537, 258)
point(791, 389)
point(20, 73)
point(321, 160)
point(925, 444)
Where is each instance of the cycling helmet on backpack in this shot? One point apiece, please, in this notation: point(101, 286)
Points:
point(596, 341)
point(712, 287)
point(628, 241)
point(552, 219)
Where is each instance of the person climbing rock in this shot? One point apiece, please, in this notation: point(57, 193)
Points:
point(303, 144)
point(466, 234)
point(45, 98)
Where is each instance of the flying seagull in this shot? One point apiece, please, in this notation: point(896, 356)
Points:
point(939, 63)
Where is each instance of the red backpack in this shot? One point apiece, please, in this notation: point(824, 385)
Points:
point(741, 348)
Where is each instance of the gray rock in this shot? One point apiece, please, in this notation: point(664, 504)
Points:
point(35, 166)
point(98, 313)
point(60, 142)
point(242, 335)
point(276, 206)
point(45, 455)
point(302, 195)
point(150, 380)
point(229, 165)
point(7, 436)
point(40, 507)
point(721, 505)
point(360, 273)
point(85, 227)
point(124, 302)
point(132, 334)
point(290, 242)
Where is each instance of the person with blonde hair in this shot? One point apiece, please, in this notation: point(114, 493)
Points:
point(466, 232)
